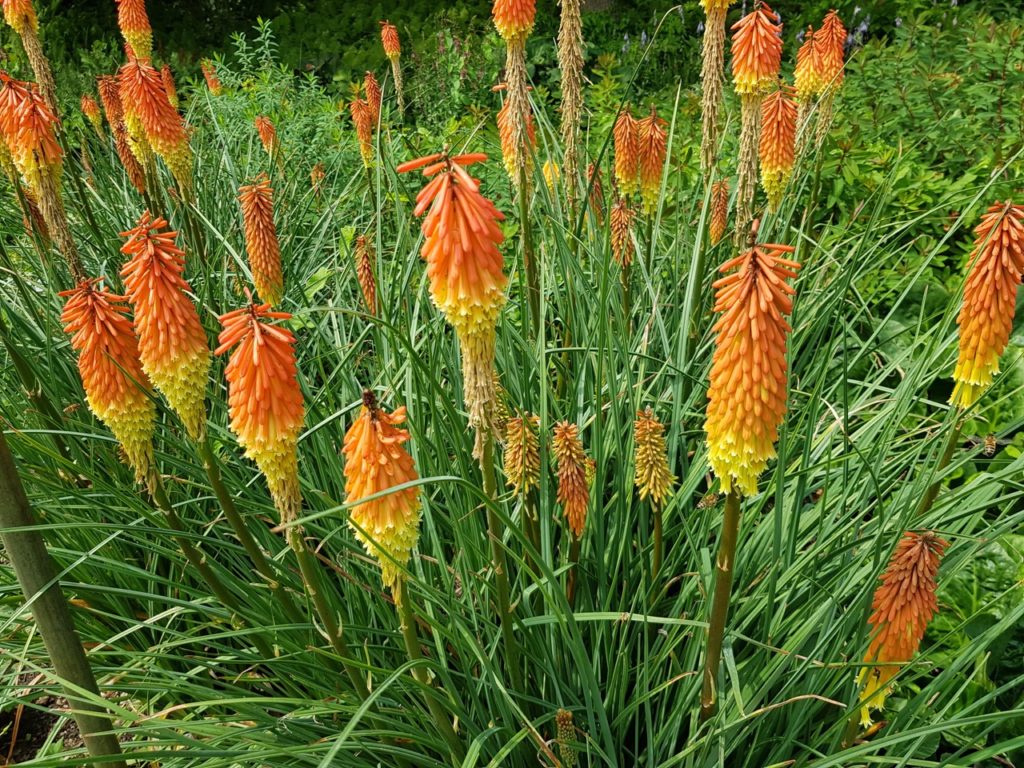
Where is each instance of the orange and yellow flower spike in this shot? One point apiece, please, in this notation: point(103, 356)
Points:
point(652, 150)
point(146, 105)
point(622, 240)
point(832, 41)
point(903, 605)
point(778, 143)
point(213, 83)
point(626, 140)
point(264, 398)
point(375, 462)
point(116, 387)
point(465, 270)
point(990, 300)
point(393, 50)
point(92, 113)
point(29, 128)
point(261, 241)
point(809, 72)
point(167, 78)
point(747, 396)
point(362, 119)
point(134, 25)
point(267, 133)
point(572, 468)
point(653, 478)
point(506, 136)
point(21, 16)
point(514, 19)
point(364, 256)
point(373, 96)
point(172, 342)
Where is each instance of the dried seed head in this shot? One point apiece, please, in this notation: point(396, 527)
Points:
point(566, 735)
point(365, 258)
point(719, 210)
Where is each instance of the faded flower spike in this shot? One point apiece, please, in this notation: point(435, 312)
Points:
point(465, 269)
point(522, 452)
point(778, 143)
point(653, 478)
point(111, 97)
point(375, 462)
point(510, 153)
point(990, 300)
point(264, 399)
point(573, 475)
point(712, 74)
point(903, 605)
point(261, 242)
point(626, 139)
point(116, 387)
point(172, 342)
point(747, 396)
point(210, 75)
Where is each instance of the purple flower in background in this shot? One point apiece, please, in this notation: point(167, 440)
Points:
point(800, 36)
point(700, 27)
point(625, 46)
point(643, 37)
point(899, 21)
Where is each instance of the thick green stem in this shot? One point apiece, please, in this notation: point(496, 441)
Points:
point(947, 455)
point(313, 582)
point(252, 548)
point(499, 563)
point(572, 575)
point(37, 576)
point(627, 298)
point(724, 568)
point(407, 616)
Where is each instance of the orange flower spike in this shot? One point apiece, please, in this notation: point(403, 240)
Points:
point(626, 138)
point(778, 143)
point(808, 75)
point(573, 482)
point(134, 25)
point(514, 19)
point(747, 396)
point(264, 399)
point(652, 151)
point(719, 210)
point(375, 462)
point(267, 134)
point(361, 119)
point(172, 342)
point(213, 83)
point(167, 78)
point(364, 256)
point(29, 128)
point(756, 50)
point(990, 299)
point(21, 15)
point(91, 110)
point(389, 39)
point(261, 241)
point(621, 222)
point(902, 607)
point(373, 96)
point(116, 387)
point(145, 101)
point(465, 270)
point(832, 40)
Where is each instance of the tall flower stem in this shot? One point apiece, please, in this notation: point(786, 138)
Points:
point(572, 575)
point(658, 556)
point(499, 562)
point(947, 455)
point(312, 579)
point(724, 569)
point(407, 617)
point(252, 548)
point(627, 297)
point(529, 263)
point(38, 578)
